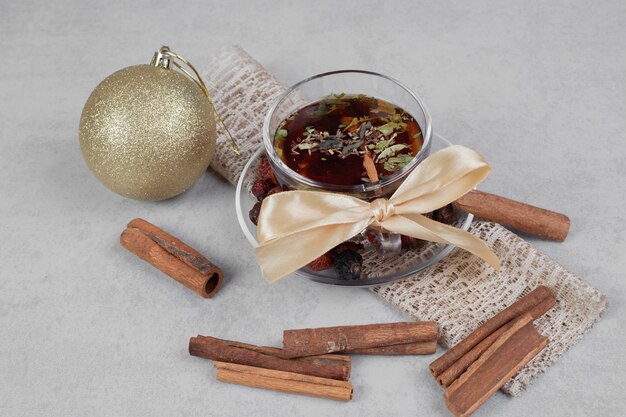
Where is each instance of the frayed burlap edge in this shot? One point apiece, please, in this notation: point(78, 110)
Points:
point(242, 92)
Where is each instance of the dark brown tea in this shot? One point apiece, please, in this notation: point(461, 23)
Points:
point(327, 140)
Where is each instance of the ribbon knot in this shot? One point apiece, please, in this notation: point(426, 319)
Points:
point(296, 227)
point(382, 209)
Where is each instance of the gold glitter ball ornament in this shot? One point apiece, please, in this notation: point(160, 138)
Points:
point(148, 132)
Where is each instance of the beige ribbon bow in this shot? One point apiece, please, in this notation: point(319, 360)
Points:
point(295, 227)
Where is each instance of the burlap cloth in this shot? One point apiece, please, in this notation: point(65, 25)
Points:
point(459, 293)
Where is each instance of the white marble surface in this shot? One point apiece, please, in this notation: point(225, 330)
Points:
point(87, 329)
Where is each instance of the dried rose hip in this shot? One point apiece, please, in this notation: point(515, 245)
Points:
point(345, 246)
point(323, 262)
point(274, 190)
point(254, 213)
point(444, 214)
point(265, 171)
point(409, 242)
point(260, 188)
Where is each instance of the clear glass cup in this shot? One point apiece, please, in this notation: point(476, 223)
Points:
point(349, 82)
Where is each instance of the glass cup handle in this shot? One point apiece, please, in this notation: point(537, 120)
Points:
point(385, 243)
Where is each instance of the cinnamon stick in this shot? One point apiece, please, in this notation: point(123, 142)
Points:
point(520, 216)
point(370, 166)
point(172, 257)
point(222, 350)
point(521, 306)
point(283, 381)
point(417, 348)
point(343, 361)
point(504, 358)
point(308, 342)
point(334, 359)
point(448, 376)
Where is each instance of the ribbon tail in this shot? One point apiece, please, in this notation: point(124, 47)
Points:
point(421, 227)
point(279, 257)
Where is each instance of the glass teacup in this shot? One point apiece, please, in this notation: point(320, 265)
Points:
point(352, 82)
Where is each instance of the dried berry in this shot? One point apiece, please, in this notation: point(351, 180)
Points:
point(345, 246)
point(254, 213)
point(260, 188)
point(323, 262)
point(444, 214)
point(265, 171)
point(348, 265)
point(274, 190)
point(409, 242)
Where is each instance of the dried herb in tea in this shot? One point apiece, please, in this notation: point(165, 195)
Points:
point(327, 140)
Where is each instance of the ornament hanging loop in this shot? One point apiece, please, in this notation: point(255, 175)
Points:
point(165, 58)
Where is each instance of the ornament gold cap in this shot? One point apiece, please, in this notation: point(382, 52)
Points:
point(165, 58)
point(161, 58)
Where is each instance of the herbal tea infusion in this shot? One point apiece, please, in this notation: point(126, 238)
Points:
point(328, 140)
